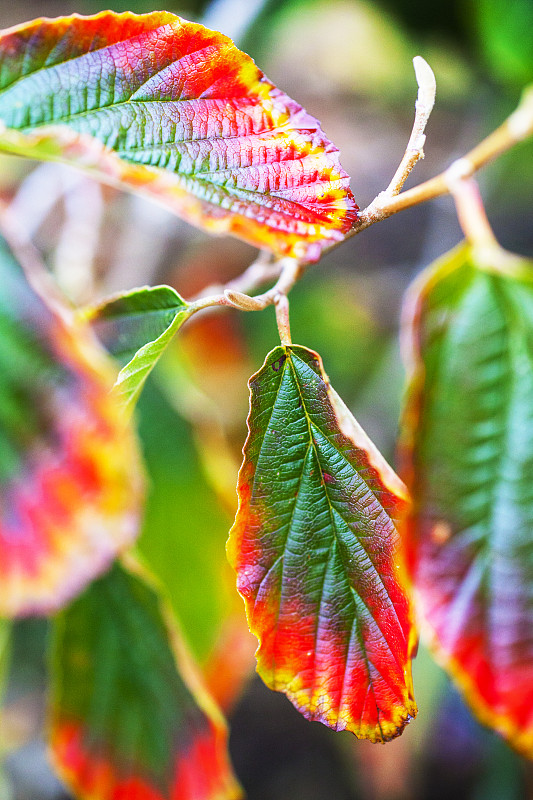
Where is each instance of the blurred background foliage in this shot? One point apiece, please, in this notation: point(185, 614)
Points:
point(349, 63)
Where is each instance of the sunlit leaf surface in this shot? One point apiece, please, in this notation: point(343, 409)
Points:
point(130, 721)
point(315, 549)
point(184, 116)
point(70, 474)
point(468, 452)
point(135, 328)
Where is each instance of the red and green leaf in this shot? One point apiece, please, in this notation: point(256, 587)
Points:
point(316, 549)
point(70, 474)
point(169, 108)
point(136, 327)
point(130, 719)
point(468, 453)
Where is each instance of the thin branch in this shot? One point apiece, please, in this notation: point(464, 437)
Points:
point(425, 101)
point(290, 272)
point(210, 301)
point(265, 268)
point(487, 251)
point(515, 129)
point(30, 260)
point(414, 151)
point(471, 212)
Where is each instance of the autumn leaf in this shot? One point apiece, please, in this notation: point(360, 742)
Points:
point(468, 460)
point(129, 715)
point(316, 549)
point(71, 480)
point(169, 108)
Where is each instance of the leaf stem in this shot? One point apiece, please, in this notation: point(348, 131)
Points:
point(281, 305)
point(471, 212)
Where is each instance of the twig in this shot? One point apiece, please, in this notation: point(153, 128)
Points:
point(31, 263)
point(515, 129)
point(471, 212)
point(414, 151)
point(290, 271)
point(486, 250)
point(425, 101)
point(265, 268)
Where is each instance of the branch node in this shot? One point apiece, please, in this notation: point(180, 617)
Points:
point(471, 213)
point(457, 172)
point(243, 301)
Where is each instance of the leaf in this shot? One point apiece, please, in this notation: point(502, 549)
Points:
point(184, 527)
point(135, 327)
point(169, 108)
point(468, 460)
point(502, 35)
point(315, 549)
point(129, 718)
point(71, 481)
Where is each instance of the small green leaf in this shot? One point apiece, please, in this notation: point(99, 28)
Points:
point(468, 461)
point(315, 546)
point(135, 328)
point(129, 716)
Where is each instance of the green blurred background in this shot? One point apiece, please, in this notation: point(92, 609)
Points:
point(349, 64)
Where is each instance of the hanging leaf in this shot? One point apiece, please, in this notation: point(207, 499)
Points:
point(468, 453)
point(169, 108)
point(315, 549)
point(70, 473)
point(135, 327)
point(129, 717)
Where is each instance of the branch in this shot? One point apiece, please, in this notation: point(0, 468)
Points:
point(265, 268)
point(425, 101)
point(31, 263)
point(291, 270)
point(471, 212)
point(515, 129)
point(414, 151)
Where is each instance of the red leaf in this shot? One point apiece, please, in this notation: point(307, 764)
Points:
point(183, 116)
point(70, 474)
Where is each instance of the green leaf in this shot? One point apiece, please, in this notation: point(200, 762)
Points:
point(503, 32)
point(468, 460)
point(184, 527)
point(129, 716)
point(316, 549)
point(135, 328)
point(164, 106)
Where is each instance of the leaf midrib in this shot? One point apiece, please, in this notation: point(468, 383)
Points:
point(339, 550)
